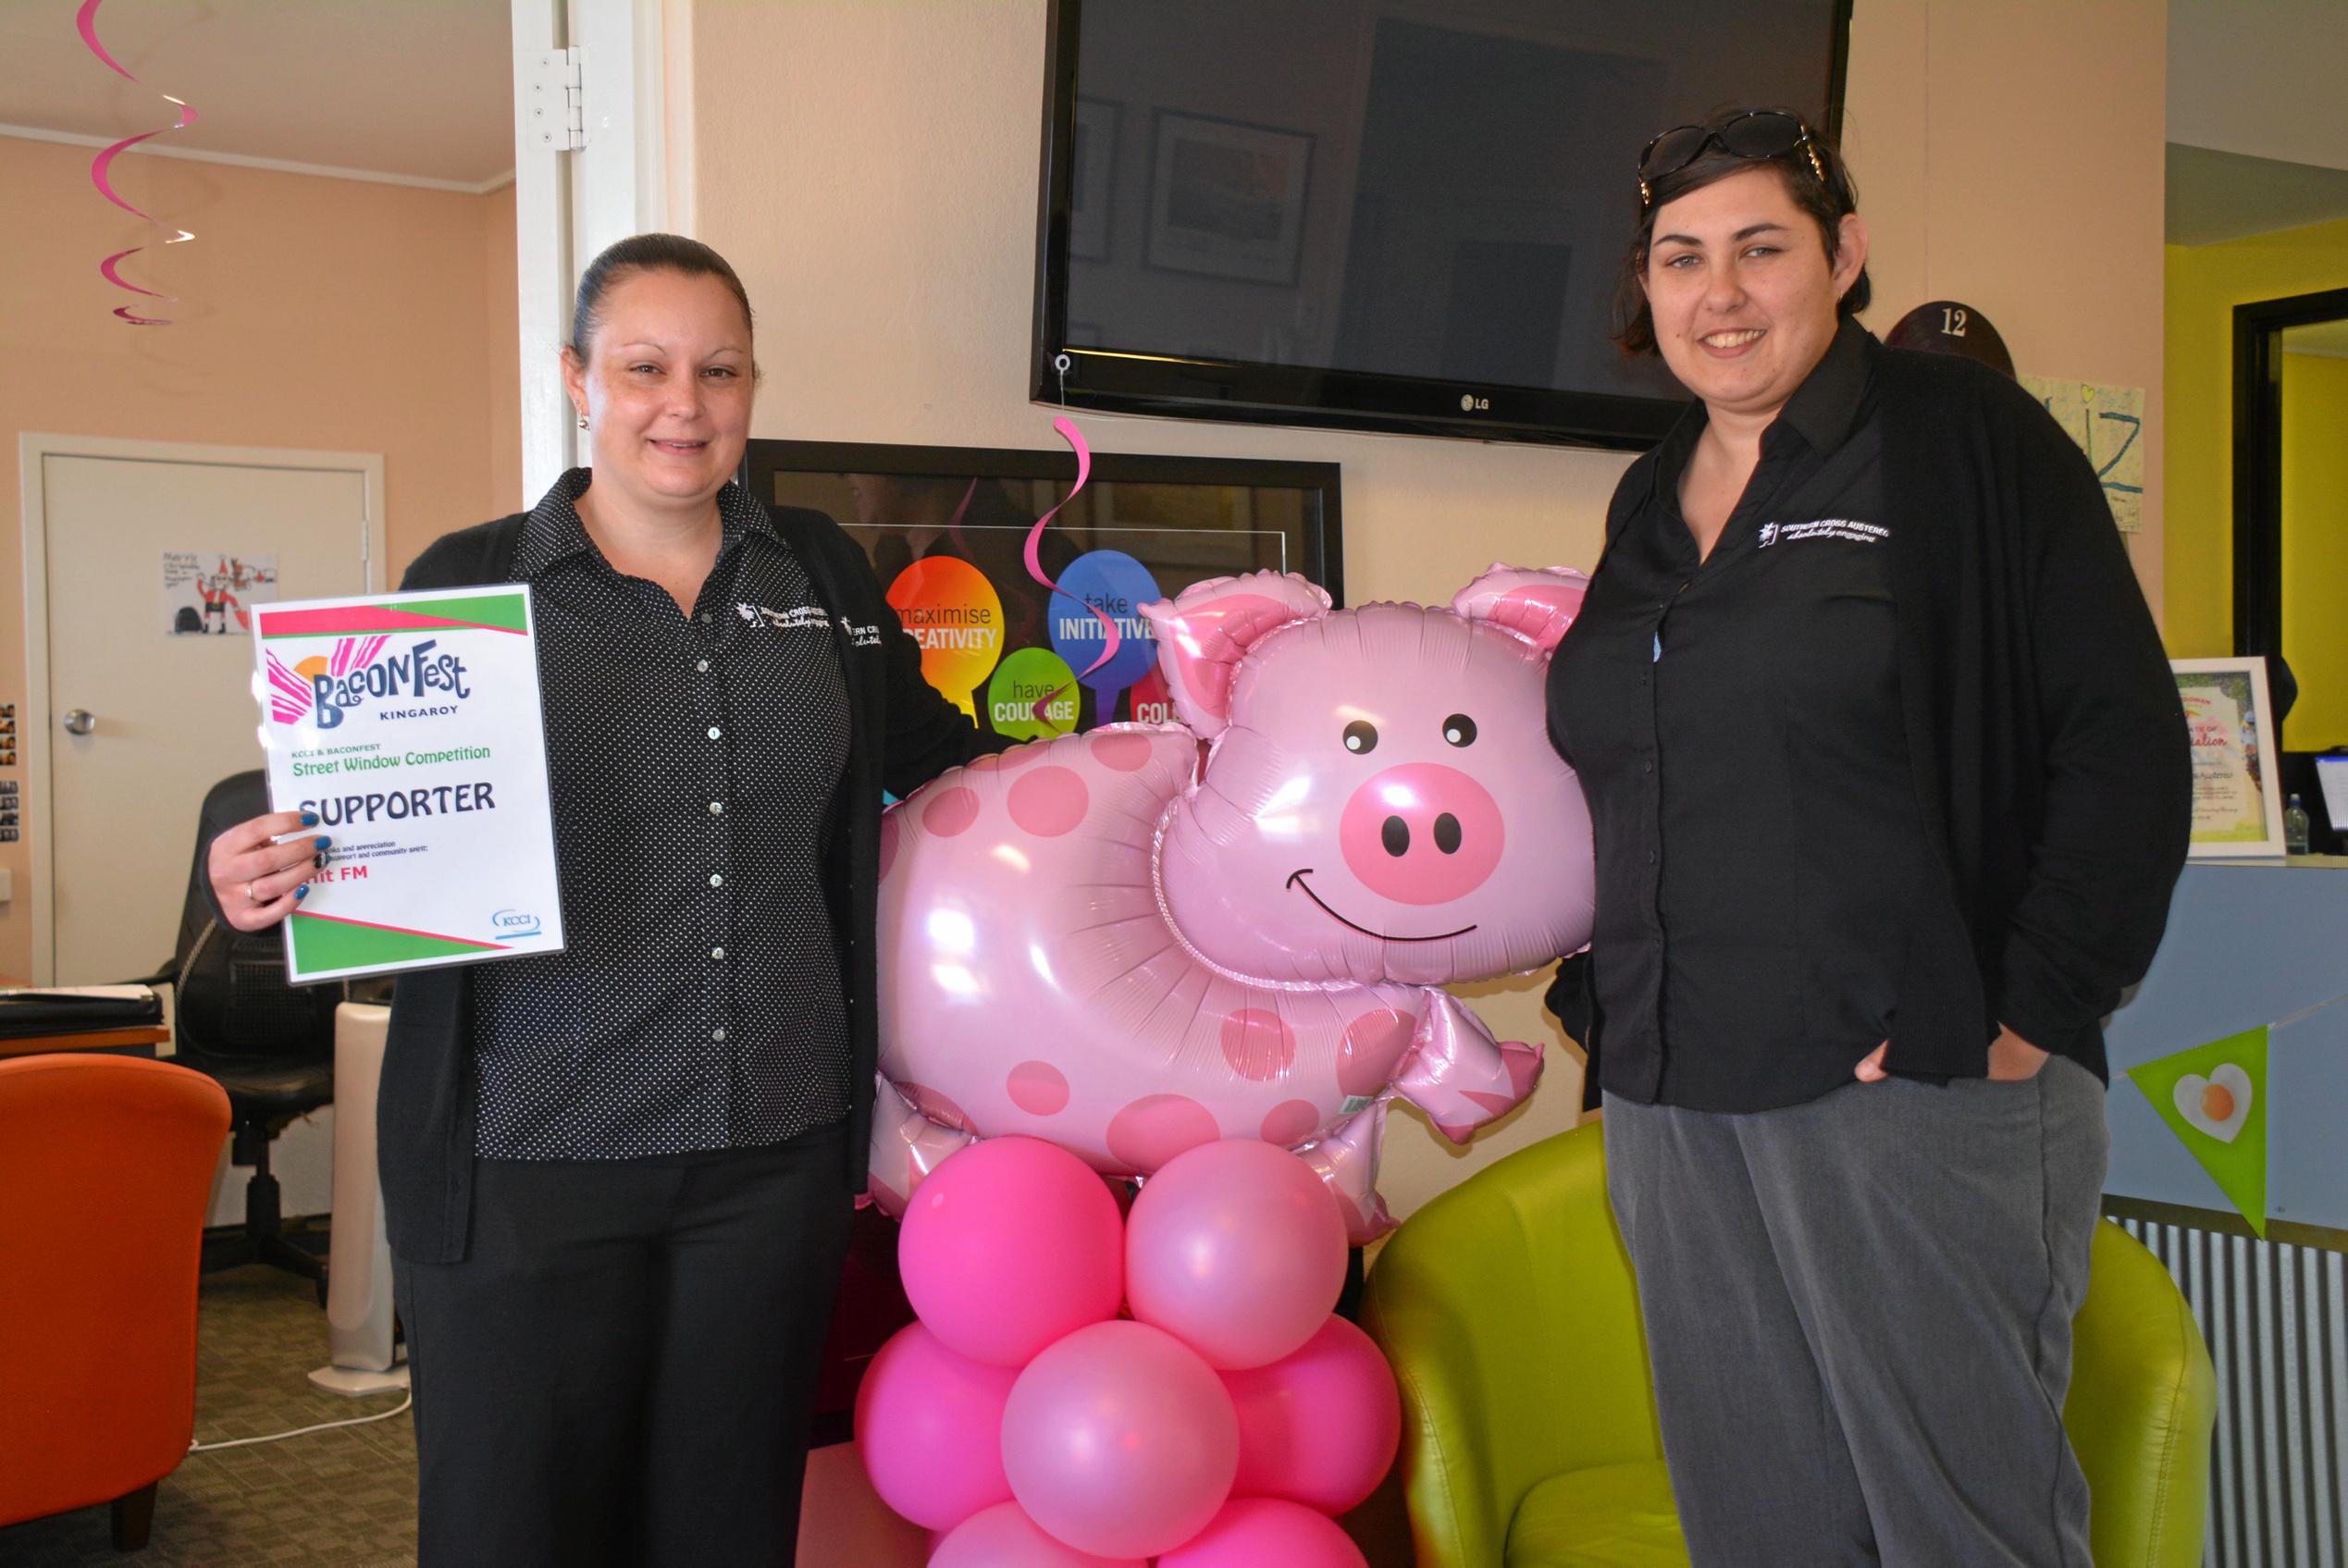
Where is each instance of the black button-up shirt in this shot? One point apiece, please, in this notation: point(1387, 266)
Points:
point(694, 762)
point(1737, 724)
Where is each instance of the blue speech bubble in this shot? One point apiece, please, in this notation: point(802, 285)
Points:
point(1117, 585)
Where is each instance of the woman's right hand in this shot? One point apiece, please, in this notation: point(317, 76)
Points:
point(257, 881)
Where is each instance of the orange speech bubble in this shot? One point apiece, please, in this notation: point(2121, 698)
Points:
point(954, 612)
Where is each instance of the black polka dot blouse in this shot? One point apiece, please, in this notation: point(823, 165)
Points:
point(694, 762)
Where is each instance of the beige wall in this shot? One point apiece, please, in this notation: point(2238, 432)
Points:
point(870, 170)
point(314, 313)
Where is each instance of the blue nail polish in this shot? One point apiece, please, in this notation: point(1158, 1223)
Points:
point(309, 818)
point(300, 893)
point(324, 842)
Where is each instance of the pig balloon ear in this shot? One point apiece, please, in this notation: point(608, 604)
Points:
point(1205, 630)
point(1536, 602)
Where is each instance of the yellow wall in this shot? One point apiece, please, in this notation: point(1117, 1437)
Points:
point(314, 313)
point(2315, 546)
point(870, 170)
point(2206, 282)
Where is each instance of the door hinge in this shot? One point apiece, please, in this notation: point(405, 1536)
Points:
point(558, 114)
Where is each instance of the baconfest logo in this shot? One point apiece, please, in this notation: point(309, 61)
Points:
point(371, 661)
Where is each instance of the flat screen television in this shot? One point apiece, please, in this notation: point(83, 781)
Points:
point(1398, 215)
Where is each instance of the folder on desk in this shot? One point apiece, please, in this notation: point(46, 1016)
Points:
point(26, 1010)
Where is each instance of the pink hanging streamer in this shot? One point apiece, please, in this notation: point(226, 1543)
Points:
point(1074, 437)
point(86, 22)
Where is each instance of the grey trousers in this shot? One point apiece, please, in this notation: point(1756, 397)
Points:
point(1859, 1315)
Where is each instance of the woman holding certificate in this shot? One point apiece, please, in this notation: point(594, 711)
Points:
point(619, 1177)
point(1888, 783)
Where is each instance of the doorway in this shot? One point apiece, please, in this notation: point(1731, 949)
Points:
point(142, 561)
point(2290, 504)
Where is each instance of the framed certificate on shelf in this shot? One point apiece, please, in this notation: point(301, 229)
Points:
point(409, 725)
point(2237, 797)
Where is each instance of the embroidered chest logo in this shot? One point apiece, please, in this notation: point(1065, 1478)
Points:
point(1825, 528)
point(807, 618)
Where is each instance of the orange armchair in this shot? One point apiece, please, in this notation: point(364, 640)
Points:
point(105, 1163)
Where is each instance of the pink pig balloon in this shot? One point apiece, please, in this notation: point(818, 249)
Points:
point(1149, 937)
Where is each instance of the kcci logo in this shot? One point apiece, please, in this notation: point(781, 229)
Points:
point(511, 923)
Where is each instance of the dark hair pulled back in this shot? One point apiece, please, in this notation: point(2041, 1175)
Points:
point(646, 252)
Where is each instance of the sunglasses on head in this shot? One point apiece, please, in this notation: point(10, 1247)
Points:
point(1758, 134)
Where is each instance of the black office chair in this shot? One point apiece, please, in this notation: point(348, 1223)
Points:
point(268, 1044)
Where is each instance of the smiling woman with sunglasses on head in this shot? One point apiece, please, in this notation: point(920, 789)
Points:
point(1889, 788)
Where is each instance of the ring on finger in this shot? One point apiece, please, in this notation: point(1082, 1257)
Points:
point(251, 897)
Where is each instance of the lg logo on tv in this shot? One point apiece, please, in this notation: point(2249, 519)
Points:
point(1470, 404)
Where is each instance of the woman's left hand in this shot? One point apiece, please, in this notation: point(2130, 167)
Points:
point(2011, 1059)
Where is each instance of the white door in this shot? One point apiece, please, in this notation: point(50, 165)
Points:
point(143, 713)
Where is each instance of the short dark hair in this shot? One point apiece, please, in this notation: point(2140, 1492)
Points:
point(646, 252)
point(1827, 201)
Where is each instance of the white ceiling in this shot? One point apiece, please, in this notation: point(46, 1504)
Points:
point(2257, 136)
point(418, 89)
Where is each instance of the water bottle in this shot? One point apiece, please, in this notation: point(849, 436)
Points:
point(2295, 828)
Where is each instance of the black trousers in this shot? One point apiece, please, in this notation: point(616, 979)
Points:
point(621, 1371)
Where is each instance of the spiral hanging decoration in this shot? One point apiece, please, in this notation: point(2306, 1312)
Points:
point(86, 20)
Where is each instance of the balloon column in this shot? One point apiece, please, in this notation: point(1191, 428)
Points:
point(1221, 1423)
point(1150, 937)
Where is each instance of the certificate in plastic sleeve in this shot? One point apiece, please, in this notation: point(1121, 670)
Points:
point(409, 724)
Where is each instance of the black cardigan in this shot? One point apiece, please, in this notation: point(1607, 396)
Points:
point(902, 733)
point(2044, 732)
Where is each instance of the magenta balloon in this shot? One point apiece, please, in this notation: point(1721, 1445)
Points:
point(929, 1427)
point(1118, 1440)
point(1236, 1248)
point(1320, 1427)
point(1131, 944)
point(1003, 1537)
point(1009, 1246)
point(1259, 1532)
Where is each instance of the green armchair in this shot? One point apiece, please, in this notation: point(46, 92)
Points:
point(1508, 1310)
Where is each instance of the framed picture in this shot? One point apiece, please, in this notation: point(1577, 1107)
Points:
point(1093, 169)
point(946, 530)
point(1227, 199)
point(2237, 796)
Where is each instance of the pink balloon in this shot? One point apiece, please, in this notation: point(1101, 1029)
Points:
point(1003, 1537)
point(1009, 1246)
point(929, 1425)
point(1257, 1532)
point(1320, 1427)
point(1118, 1440)
point(1237, 1250)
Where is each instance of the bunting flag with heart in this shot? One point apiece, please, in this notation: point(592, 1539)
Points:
point(2214, 1099)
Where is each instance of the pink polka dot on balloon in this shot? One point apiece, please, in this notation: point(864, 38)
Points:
point(1258, 1043)
point(952, 811)
point(1155, 1127)
point(1049, 801)
point(1121, 750)
point(1291, 1121)
point(1038, 1087)
point(937, 1107)
point(1020, 756)
point(889, 830)
point(1371, 1051)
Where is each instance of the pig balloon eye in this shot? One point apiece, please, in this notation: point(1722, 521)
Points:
point(1460, 730)
point(1361, 736)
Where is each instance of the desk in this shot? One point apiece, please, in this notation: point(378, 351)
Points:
point(138, 1041)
